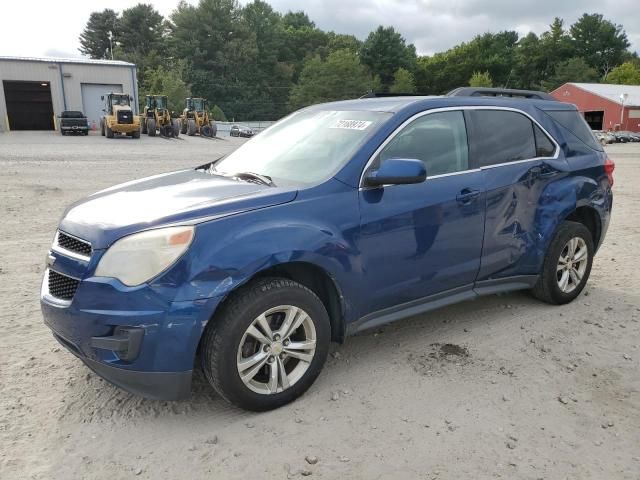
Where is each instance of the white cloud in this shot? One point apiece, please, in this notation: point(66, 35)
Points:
point(432, 25)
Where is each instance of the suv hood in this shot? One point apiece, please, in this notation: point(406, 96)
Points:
point(184, 197)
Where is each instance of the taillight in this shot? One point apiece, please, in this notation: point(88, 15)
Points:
point(609, 167)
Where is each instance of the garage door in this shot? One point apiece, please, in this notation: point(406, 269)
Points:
point(29, 105)
point(92, 104)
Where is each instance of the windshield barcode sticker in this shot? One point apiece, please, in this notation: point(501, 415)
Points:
point(352, 124)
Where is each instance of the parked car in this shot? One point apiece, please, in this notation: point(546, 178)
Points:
point(339, 218)
point(73, 121)
point(604, 137)
point(241, 131)
point(630, 136)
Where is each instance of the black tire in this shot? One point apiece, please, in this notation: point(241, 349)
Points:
point(224, 333)
point(102, 128)
point(183, 126)
point(205, 131)
point(136, 134)
point(547, 288)
point(175, 124)
point(214, 128)
point(191, 127)
point(151, 127)
point(109, 132)
point(143, 125)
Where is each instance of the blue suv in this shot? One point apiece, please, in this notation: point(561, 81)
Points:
point(338, 218)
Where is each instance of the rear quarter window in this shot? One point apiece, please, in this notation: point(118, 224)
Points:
point(573, 121)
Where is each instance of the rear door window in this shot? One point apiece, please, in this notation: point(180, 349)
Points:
point(544, 145)
point(501, 136)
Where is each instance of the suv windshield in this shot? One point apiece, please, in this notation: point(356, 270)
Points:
point(306, 147)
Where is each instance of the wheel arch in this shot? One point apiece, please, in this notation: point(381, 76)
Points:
point(588, 216)
point(315, 278)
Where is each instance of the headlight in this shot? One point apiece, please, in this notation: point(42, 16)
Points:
point(140, 257)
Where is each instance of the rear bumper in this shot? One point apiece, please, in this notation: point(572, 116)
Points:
point(153, 385)
point(74, 128)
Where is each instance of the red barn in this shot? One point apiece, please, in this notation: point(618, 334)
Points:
point(604, 106)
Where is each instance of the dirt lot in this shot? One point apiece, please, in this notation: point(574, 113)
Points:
point(500, 387)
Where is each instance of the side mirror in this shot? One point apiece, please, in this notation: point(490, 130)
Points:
point(397, 171)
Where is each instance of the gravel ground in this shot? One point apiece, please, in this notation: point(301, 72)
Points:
point(500, 387)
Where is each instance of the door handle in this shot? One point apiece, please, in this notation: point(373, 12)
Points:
point(467, 196)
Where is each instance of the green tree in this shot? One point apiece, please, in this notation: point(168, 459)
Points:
point(339, 41)
point(341, 76)
point(302, 41)
point(167, 81)
point(216, 39)
point(601, 43)
point(218, 114)
point(573, 70)
point(491, 52)
point(141, 38)
point(626, 74)
point(94, 39)
point(529, 62)
point(403, 82)
point(556, 46)
point(385, 51)
point(480, 79)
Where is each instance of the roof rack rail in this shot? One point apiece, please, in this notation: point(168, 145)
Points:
point(499, 92)
point(386, 94)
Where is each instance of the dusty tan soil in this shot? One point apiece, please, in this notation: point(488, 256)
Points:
point(500, 387)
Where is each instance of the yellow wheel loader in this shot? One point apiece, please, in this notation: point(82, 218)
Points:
point(195, 118)
point(118, 117)
point(157, 118)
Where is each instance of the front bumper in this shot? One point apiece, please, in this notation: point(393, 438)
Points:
point(130, 336)
point(153, 385)
point(125, 127)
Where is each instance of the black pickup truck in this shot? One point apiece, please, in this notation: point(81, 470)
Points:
point(73, 122)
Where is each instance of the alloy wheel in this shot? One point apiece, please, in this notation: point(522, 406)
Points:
point(276, 350)
point(572, 264)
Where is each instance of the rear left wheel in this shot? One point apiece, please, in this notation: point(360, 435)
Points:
point(267, 345)
point(567, 265)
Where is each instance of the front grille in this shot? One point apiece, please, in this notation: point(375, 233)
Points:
point(74, 122)
point(61, 286)
point(125, 117)
point(73, 244)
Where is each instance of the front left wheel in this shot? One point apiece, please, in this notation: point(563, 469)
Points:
point(267, 345)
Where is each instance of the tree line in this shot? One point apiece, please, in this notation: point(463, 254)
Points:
point(254, 63)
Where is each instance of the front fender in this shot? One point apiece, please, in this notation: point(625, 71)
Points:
point(228, 252)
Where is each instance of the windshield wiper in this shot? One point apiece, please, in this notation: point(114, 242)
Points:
point(265, 179)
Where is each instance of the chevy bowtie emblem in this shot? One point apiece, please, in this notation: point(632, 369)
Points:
point(50, 260)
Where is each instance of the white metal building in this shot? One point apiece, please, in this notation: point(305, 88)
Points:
point(33, 91)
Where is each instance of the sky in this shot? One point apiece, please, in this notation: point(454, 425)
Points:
point(39, 28)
